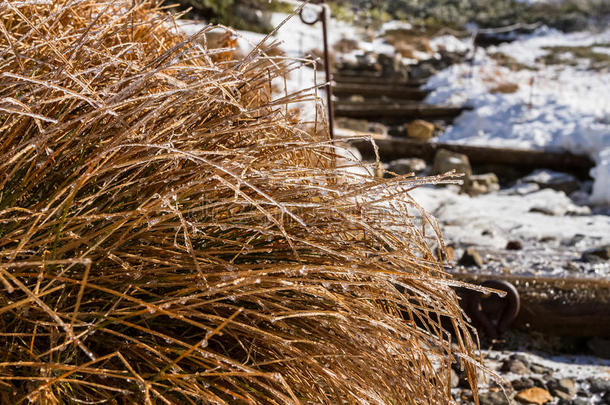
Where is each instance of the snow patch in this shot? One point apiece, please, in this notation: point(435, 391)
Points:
point(553, 108)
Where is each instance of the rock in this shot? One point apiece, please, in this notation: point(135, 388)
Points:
point(377, 128)
point(574, 240)
point(539, 382)
point(445, 161)
point(521, 357)
point(514, 366)
point(353, 124)
point(514, 245)
point(538, 369)
point(466, 395)
point(580, 197)
point(356, 98)
point(455, 379)
point(561, 395)
point(482, 184)
point(597, 255)
point(392, 66)
point(555, 180)
point(522, 383)
point(600, 347)
point(567, 385)
point(564, 388)
point(408, 165)
point(422, 70)
point(599, 385)
point(524, 188)
point(493, 398)
point(535, 395)
point(476, 189)
point(471, 258)
point(579, 401)
point(449, 254)
point(397, 130)
point(505, 88)
point(544, 210)
point(481, 378)
point(420, 129)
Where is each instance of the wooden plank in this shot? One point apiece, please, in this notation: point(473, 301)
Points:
point(395, 91)
point(558, 306)
point(395, 112)
point(370, 77)
point(392, 148)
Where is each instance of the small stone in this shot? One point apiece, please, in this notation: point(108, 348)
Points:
point(377, 128)
point(445, 161)
point(521, 357)
point(353, 124)
point(514, 366)
point(482, 184)
point(475, 189)
point(539, 382)
point(420, 129)
point(597, 255)
point(535, 395)
point(522, 383)
point(554, 180)
point(574, 240)
point(466, 395)
point(397, 130)
point(539, 369)
point(568, 386)
point(561, 394)
point(449, 254)
point(514, 245)
point(408, 165)
point(455, 379)
point(493, 398)
point(599, 385)
point(471, 258)
point(543, 210)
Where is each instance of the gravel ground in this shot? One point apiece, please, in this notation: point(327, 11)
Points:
point(534, 375)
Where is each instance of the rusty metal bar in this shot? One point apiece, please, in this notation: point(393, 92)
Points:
point(324, 14)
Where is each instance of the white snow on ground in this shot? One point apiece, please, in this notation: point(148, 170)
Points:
point(555, 107)
point(563, 366)
point(508, 215)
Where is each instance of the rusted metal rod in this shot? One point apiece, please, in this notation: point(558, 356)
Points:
point(323, 16)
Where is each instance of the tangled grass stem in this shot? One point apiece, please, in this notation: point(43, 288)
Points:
point(171, 233)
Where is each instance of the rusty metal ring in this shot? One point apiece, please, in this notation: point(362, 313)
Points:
point(309, 22)
point(508, 311)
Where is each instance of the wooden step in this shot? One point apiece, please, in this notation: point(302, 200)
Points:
point(396, 113)
point(392, 148)
point(577, 307)
point(368, 77)
point(394, 91)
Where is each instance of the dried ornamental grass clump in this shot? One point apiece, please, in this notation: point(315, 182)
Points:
point(168, 234)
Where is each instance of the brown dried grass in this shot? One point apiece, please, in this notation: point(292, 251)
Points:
point(168, 234)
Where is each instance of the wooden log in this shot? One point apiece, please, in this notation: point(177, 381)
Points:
point(395, 91)
point(577, 307)
point(392, 148)
point(396, 112)
point(369, 77)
